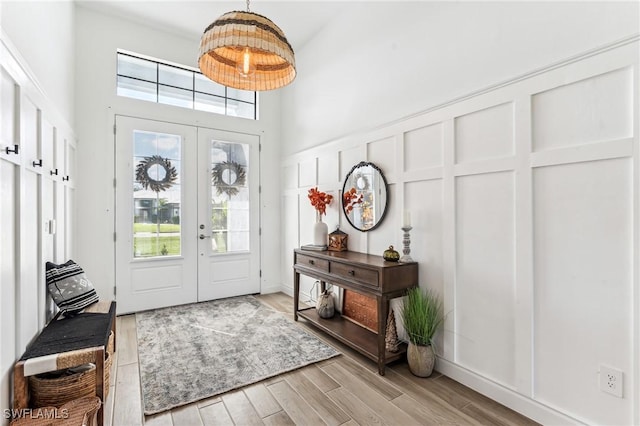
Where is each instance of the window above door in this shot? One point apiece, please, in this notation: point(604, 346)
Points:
point(152, 80)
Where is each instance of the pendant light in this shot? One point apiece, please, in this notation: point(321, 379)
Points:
point(246, 51)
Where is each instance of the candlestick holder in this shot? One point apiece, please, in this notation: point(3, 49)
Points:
point(406, 242)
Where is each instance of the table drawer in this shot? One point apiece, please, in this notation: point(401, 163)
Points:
point(355, 273)
point(312, 262)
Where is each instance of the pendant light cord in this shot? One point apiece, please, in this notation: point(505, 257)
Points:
point(248, 6)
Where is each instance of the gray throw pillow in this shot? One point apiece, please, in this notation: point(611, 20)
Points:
point(70, 288)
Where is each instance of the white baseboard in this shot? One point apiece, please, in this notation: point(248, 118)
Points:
point(304, 297)
point(507, 397)
point(276, 289)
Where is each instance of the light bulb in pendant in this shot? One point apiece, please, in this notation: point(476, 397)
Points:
point(246, 66)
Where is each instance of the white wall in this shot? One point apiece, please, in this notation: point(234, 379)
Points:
point(523, 209)
point(381, 61)
point(43, 33)
point(98, 37)
point(523, 198)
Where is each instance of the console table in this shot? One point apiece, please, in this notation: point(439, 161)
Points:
point(363, 273)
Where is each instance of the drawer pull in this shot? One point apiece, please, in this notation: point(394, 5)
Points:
point(312, 262)
point(352, 272)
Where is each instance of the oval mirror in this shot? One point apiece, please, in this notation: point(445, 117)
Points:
point(364, 196)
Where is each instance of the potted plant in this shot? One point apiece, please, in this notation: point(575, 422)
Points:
point(421, 316)
point(320, 201)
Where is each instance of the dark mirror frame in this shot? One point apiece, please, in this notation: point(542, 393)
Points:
point(348, 185)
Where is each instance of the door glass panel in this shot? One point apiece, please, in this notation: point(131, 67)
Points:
point(156, 194)
point(229, 197)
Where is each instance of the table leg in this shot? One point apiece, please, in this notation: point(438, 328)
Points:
point(113, 329)
point(100, 383)
point(296, 294)
point(20, 387)
point(383, 311)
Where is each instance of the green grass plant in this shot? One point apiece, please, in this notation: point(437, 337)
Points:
point(151, 246)
point(152, 227)
point(422, 315)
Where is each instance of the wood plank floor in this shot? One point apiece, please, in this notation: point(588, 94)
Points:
point(345, 390)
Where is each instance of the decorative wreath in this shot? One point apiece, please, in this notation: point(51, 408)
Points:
point(362, 185)
point(231, 188)
point(142, 173)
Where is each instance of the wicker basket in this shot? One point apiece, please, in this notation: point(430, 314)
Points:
point(82, 411)
point(108, 362)
point(59, 387)
point(110, 343)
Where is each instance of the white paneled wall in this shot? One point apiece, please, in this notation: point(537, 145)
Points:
point(583, 268)
point(485, 275)
point(524, 204)
point(36, 189)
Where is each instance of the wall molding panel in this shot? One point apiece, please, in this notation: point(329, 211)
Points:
point(37, 188)
point(524, 200)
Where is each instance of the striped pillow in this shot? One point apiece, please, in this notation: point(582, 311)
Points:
point(70, 288)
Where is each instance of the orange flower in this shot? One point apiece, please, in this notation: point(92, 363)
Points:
point(350, 199)
point(319, 200)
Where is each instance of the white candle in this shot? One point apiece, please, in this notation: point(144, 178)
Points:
point(407, 218)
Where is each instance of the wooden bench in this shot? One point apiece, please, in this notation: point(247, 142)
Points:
point(66, 343)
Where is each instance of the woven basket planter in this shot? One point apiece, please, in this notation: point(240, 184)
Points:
point(110, 344)
point(53, 390)
point(108, 362)
point(80, 411)
point(59, 387)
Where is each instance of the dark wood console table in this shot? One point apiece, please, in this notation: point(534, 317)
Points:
point(363, 273)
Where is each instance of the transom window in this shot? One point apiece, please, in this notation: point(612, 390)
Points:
point(164, 83)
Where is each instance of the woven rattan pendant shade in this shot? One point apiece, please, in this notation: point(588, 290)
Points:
point(223, 45)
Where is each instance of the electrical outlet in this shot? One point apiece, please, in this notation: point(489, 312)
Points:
point(611, 381)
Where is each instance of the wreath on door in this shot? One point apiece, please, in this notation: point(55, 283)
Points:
point(228, 176)
point(156, 185)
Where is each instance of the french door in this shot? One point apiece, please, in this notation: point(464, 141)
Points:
point(186, 214)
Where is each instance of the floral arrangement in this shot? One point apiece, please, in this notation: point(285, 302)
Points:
point(350, 199)
point(320, 200)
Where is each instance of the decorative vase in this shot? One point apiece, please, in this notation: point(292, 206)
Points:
point(390, 255)
point(320, 231)
point(391, 342)
point(421, 360)
point(326, 306)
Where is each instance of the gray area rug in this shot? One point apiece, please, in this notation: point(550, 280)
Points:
point(192, 352)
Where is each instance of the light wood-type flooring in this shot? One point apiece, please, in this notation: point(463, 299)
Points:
point(345, 390)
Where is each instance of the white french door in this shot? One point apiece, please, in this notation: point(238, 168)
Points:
point(228, 216)
point(186, 214)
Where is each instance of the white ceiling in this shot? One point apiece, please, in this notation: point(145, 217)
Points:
point(299, 19)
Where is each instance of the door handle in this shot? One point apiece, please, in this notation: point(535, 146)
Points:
point(202, 236)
